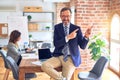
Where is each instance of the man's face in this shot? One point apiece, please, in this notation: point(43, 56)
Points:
point(65, 17)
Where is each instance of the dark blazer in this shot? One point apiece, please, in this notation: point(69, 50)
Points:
point(59, 42)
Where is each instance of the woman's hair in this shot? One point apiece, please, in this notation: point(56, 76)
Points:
point(14, 36)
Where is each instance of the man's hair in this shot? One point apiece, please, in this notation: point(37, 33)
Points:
point(64, 9)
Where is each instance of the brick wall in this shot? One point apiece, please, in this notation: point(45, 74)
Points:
point(93, 12)
point(90, 12)
point(115, 7)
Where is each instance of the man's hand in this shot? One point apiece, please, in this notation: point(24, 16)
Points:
point(88, 32)
point(72, 35)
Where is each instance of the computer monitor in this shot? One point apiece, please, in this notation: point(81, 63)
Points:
point(44, 53)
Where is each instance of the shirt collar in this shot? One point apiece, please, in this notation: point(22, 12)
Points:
point(67, 25)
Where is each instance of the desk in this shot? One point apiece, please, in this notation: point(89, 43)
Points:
point(26, 66)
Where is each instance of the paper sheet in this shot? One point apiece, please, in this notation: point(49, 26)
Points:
point(39, 63)
point(4, 30)
point(29, 56)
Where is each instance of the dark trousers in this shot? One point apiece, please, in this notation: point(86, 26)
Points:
point(20, 58)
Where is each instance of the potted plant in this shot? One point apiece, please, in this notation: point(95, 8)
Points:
point(47, 27)
point(29, 17)
point(30, 37)
point(98, 47)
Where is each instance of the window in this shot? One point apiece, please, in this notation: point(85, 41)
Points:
point(115, 44)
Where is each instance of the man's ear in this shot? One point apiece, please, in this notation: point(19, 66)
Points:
point(60, 16)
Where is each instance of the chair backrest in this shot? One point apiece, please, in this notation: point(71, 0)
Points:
point(13, 66)
point(4, 54)
point(99, 66)
point(46, 45)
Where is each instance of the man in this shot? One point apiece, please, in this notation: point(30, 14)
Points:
point(66, 42)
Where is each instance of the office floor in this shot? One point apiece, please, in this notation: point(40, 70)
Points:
point(107, 75)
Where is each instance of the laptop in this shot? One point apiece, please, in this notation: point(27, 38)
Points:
point(44, 54)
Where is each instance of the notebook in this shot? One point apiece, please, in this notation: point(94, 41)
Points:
point(44, 53)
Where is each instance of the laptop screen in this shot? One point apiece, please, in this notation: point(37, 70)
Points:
point(44, 53)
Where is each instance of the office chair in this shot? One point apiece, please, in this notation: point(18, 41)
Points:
point(46, 45)
point(96, 72)
point(15, 69)
point(4, 54)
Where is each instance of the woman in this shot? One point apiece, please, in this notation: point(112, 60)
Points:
point(14, 51)
point(13, 48)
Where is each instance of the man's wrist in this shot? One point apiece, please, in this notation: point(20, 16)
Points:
point(86, 37)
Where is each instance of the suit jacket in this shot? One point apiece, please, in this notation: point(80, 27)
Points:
point(14, 52)
point(59, 42)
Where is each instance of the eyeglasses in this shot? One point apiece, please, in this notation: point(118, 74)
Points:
point(63, 16)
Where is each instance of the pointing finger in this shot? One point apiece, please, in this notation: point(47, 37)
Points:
point(75, 30)
point(92, 26)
